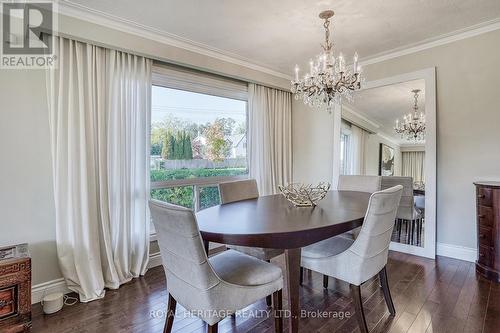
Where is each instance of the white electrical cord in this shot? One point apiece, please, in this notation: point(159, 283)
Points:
point(68, 300)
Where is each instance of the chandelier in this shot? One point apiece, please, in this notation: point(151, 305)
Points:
point(329, 78)
point(413, 125)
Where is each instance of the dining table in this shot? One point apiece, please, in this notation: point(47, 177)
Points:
point(272, 221)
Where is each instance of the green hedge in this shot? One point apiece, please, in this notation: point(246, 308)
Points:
point(159, 175)
point(183, 195)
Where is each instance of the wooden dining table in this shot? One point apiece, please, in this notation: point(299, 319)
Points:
point(273, 222)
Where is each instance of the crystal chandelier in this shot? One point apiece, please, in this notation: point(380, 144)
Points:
point(328, 79)
point(413, 125)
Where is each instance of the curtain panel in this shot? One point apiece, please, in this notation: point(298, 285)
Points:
point(99, 102)
point(270, 137)
point(357, 150)
point(413, 165)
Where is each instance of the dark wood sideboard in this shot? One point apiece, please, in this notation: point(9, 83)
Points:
point(488, 229)
point(15, 289)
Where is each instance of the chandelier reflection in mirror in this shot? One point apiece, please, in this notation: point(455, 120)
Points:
point(412, 128)
point(329, 78)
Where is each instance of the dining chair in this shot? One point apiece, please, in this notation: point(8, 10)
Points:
point(407, 212)
point(358, 183)
point(357, 261)
point(244, 190)
point(211, 288)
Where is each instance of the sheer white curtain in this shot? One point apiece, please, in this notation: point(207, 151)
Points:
point(357, 150)
point(269, 137)
point(99, 103)
point(413, 165)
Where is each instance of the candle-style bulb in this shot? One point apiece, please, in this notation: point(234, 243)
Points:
point(296, 72)
point(341, 62)
point(355, 65)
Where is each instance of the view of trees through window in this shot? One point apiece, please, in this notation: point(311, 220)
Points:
point(195, 135)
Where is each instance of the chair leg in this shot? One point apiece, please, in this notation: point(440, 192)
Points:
point(269, 299)
point(301, 279)
point(358, 306)
point(278, 307)
point(213, 328)
point(399, 230)
point(419, 221)
point(387, 293)
point(325, 281)
point(172, 303)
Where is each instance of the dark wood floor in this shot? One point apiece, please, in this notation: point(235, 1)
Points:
point(444, 295)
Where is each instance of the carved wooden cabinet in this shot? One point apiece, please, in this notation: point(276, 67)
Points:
point(488, 229)
point(15, 289)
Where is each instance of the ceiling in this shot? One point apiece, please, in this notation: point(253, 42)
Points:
point(278, 34)
point(383, 105)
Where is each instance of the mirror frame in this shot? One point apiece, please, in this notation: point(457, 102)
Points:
point(429, 76)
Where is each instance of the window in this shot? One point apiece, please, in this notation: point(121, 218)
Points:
point(344, 153)
point(345, 149)
point(198, 137)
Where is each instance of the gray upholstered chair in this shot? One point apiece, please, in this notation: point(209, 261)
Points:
point(357, 261)
point(357, 183)
point(244, 190)
point(212, 288)
point(406, 210)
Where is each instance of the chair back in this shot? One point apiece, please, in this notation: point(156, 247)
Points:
point(406, 206)
point(238, 190)
point(369, 184)
point(372, 244)
point(184, 259)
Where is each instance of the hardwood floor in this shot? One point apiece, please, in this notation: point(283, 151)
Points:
point(444, 295)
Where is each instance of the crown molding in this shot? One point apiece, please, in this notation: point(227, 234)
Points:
point(377, 126)
point(361, 115)
point(71, 9)
point(88, 14)
point(388, 138)
point(429, 43)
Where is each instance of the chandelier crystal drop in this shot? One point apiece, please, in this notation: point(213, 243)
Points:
point(329, 78)
point(412, 127)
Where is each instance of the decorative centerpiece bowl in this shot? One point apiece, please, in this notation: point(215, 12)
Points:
point(304, 195)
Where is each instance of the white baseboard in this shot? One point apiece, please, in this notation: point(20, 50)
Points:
point(49, 287)
point(59, 285)
point(154, 260)
point(457, 252)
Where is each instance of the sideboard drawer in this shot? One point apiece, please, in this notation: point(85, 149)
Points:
point(485, 236)
point(484, 256)
point(484, 196)
point(485, 216)
point(7, 302)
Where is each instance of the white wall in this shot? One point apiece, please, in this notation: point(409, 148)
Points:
point(312, 142)
point(468, 134)
point(26, 194)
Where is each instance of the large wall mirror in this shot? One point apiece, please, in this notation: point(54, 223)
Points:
point(389, 129)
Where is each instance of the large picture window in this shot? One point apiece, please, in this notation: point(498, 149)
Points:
point(198, 140)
